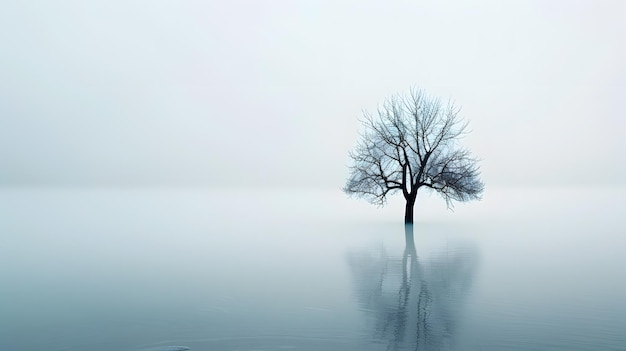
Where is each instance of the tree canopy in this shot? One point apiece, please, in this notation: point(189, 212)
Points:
point(412, 142)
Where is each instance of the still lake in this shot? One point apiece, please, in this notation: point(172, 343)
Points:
point(158, 269)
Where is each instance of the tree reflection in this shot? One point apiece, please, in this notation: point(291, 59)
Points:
point(413, 304)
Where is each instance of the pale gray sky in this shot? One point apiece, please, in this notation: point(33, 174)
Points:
point(267, 93)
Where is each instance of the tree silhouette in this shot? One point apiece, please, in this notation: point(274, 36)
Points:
point(411, 143)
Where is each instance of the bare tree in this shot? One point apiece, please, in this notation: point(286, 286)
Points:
point(413, 142)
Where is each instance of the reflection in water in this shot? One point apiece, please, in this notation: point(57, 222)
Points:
point(414, 304)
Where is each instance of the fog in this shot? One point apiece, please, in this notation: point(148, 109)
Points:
point(244, 93)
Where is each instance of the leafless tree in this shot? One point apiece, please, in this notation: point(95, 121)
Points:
point(413, 143)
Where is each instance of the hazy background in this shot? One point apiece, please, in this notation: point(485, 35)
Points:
point(170, 174)
point(251, 93)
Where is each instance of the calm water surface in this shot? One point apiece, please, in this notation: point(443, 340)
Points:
point(102, 269)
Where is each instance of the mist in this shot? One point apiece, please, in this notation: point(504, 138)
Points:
point(171, 176)
point(242, 93)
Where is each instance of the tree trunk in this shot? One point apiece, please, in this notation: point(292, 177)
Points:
point(408, 211)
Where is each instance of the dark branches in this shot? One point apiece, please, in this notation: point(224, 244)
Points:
point(413, 142)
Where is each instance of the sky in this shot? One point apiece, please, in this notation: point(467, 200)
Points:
point(269, 93)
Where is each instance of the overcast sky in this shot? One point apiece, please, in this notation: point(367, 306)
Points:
point(268, 93)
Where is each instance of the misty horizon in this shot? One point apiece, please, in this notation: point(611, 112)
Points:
point(175, 175)
point(241, 93)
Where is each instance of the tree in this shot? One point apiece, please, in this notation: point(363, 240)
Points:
point(413, 143)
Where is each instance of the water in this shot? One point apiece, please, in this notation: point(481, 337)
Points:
point(150, 269)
